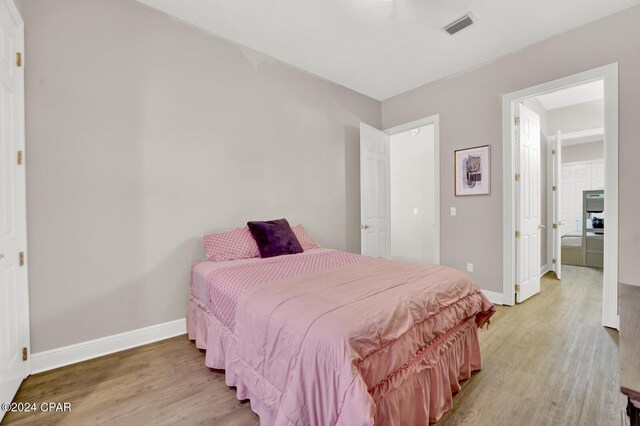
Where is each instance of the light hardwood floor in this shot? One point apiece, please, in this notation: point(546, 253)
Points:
point(547, 361)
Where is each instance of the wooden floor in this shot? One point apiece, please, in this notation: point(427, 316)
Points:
point(547, 361)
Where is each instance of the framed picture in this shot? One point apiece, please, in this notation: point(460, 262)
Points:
point(472, 171)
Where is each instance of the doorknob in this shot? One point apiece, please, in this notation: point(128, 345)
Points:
point(365, 226)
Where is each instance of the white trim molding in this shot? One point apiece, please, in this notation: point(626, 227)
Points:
point(544, 269)
point(59, 357)
point(494, 297)
point(609, 74)
point(580, 136)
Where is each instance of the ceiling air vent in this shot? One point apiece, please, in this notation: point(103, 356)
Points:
point(459, 24)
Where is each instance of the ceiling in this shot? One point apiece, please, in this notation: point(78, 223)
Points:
point(573, 95)
point(384, 48)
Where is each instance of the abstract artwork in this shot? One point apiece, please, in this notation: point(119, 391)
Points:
point(472, 171)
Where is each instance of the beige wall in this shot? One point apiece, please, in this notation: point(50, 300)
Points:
point(583, 152)
point(144, 133)
point(469, 105)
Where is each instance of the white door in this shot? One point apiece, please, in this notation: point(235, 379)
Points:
point(556, 196)
point(375, 204)
point(575, 178)
point(528, 215)
point(597, 175)
point(14, 312)
point(567, 221)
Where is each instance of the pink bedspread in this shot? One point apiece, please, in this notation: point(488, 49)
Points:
point(365, 341)
point(225, 284)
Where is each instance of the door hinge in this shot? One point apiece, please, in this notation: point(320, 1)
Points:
point(516, 120)
point(554, 226)
point(25, 354)
point(553, 188)
point(19, 59)
point(553, 152)
point(554, 261)
point(517, 177)
point(517, 287)
point(517, 234)
point(21, 258)
point(20, 158)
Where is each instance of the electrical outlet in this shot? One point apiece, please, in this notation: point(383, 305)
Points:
point(469, 267)
point(453, 211)
point(415, 211)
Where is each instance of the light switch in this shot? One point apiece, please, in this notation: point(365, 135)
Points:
point(469, 267)
point(415, 211)
point(453, 211)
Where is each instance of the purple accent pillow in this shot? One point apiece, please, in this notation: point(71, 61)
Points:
point(274, 238)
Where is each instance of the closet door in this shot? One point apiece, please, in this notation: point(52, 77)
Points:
point(581, 182)
point(576, 178)
point(567, 201)
point(597, 175)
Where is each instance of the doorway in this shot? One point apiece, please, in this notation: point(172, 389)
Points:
point(400, 192)
point(572, 169)
point(577, 120)
point(413, 195)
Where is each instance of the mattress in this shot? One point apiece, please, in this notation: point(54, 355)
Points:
point(329, 337)
point(203, 271)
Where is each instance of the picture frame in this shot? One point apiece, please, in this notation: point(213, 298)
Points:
point(472, 171)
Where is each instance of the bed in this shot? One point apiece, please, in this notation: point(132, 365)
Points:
point(334, 338)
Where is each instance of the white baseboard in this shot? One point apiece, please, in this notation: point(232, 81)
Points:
point(59, 357)
point(494, 297)
point(544, 269)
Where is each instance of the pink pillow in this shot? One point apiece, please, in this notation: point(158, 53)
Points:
point(230, 245)
point(305, 240)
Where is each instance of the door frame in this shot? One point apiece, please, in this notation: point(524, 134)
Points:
point(554, 242)
point(435, 120)
point(609, 74)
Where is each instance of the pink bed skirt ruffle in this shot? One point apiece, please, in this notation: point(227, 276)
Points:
point(418, 393)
